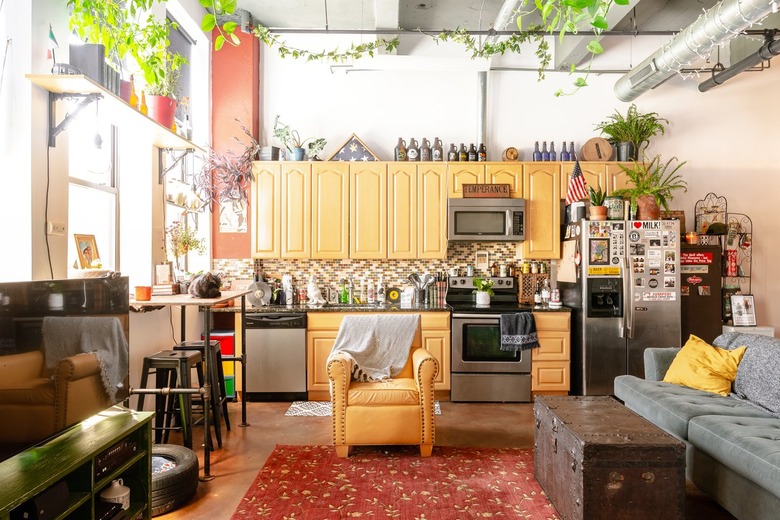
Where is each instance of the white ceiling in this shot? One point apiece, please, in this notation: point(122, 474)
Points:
point(435, 15)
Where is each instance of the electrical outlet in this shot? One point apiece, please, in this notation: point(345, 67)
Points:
point(55, 228)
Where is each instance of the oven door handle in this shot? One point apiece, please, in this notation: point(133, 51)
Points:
point(481, 316)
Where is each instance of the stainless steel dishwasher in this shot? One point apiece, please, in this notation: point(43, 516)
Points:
point(276, 356)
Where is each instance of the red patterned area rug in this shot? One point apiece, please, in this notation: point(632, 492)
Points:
point(311, 482)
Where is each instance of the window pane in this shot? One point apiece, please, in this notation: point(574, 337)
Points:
point(93, 212)
point(86, 161)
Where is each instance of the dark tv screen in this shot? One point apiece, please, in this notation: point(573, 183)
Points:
point(63, 355)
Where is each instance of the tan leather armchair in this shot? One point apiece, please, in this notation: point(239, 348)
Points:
point(35, 404)
point(395, 411)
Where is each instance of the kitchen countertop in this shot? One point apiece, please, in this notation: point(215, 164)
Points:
point(354, 308)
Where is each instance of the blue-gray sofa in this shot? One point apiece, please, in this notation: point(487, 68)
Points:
point(733, 443)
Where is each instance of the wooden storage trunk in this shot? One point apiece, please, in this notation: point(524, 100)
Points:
point(596, 459)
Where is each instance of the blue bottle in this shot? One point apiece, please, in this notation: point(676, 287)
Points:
point(545, 153)
point(564, 153)
point(537, 154)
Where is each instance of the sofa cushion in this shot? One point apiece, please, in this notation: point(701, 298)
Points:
point(701, 366)
point(758, 376)
point(748, 445)
point(671, 407)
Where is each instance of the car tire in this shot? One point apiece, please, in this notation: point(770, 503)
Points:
point(174, 477)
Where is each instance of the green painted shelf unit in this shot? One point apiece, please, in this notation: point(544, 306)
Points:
point(72, 456)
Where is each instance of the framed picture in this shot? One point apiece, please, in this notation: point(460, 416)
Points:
point(743, 310)
point(87, 248)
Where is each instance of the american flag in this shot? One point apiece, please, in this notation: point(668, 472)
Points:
point(578, 188)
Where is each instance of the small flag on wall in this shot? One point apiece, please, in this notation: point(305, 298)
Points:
point(577, 188)
point(52, 45)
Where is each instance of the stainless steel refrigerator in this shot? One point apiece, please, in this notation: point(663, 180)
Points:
point(622, 281)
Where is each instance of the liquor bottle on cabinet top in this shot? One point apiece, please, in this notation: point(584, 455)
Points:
point(400, 150)
point(437, 154)
point(452, 154)
point(463, 155)
point(413, 151)
point(553, 155)
point(482, 153)
point(564, 153)
point(572, 155)
point(537, 154)
point(472, 153)
point(425, 150)
point(545, 153)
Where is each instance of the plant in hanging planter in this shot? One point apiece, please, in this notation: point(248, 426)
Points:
point(292, 141)
point(232, 173)
point(631, 133)
point(651, 187)
point(598, 211)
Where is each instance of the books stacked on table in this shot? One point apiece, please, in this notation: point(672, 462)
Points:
point(165, 289)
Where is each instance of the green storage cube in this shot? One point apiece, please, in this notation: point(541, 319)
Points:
point(230, 386)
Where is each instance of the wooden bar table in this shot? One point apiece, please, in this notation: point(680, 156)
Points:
point(186, 300)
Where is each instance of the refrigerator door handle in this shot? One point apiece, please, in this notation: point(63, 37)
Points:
point(627, 322)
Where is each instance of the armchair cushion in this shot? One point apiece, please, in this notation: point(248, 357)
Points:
point(382, 393)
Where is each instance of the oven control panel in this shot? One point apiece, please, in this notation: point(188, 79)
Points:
point(467, 282)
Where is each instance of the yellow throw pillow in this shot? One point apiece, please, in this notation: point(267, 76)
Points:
point(704, 367)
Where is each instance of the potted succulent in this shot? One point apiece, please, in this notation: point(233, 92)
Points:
point(651, 187)
point(483, 290)
point(598, 211)
point(630, 134)
point(292, 141)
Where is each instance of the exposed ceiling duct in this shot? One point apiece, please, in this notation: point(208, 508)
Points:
point(718, 25)
point(767, 51)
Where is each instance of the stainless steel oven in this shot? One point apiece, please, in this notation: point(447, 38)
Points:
point(481, 371)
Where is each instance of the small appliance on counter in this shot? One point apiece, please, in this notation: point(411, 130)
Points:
point(481, 371)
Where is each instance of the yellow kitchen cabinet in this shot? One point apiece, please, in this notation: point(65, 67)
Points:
point(506, 173)
point(266, 210)
point(436, 340)
point(459, 173)
point(330, 210)
point(551, 361)
point(296, 210)
point(616, 177)
point(322, 329)
point(595, 174)
point(542, 185)
point(401, 213)
point(368, 210)
point(431, 210)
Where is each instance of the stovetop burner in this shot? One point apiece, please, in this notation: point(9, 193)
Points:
point(461, 297)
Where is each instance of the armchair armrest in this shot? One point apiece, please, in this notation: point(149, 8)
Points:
point(657, 362)
point(77, 367)
point(339, 374)
point(426, 368)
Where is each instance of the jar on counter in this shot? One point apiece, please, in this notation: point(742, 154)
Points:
point(525, 268)
point(534, 268)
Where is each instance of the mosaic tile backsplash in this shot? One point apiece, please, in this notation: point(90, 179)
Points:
point(393, 272)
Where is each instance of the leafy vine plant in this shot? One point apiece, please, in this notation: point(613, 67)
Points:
point(557, 16)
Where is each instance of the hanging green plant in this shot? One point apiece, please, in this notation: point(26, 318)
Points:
point(354, 51)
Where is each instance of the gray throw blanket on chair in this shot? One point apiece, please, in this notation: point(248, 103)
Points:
point(65, 336)
point(518, 331)
point(378, 345)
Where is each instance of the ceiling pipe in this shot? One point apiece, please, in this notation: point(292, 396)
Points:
point(767, 51)
point(505, 15)
point(482, 107)
point(719, 24)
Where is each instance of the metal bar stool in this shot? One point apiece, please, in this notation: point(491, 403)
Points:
point(216, 376)
point(172, 369)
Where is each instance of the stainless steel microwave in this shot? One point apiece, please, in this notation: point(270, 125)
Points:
point(486, 219)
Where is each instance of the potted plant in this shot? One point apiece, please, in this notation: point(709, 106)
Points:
point(162, 95)
point(651, 187)
point(292, 141)
point(598, 211)
point(630, 134)
point(180, 240)
point(483, 290)
point(225, 177)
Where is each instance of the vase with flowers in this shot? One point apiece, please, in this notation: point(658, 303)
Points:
point(181, 240)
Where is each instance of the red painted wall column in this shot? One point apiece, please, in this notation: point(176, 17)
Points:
point(235, 94)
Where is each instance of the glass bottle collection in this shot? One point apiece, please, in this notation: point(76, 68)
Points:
point(425, 151)
point(543, 154)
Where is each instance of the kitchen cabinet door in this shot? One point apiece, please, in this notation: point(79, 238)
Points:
point(318, 346)
point(402, 210)
point(595, 174)
point(296, 210)
point(436, 340)
point(616, 177)
point(459, 174)
point(506, 173)
point(432, 210)
point(551, 361)
point(330, 210)
point(368, 210)
point(542, 184)
point(266, 210)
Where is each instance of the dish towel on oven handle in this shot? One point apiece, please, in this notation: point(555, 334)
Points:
point(518, 331)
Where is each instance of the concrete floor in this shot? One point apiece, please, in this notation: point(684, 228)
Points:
point(245, 449)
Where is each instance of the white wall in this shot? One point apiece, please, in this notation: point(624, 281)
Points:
point(725, 135)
